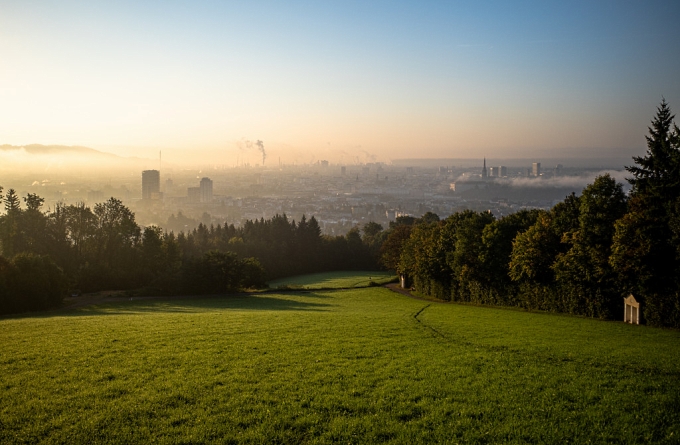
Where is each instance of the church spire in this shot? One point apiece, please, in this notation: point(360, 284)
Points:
point(484, 169)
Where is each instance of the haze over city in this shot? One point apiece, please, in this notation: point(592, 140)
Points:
point(346, 82)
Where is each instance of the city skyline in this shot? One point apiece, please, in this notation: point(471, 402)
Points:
point(346, 82)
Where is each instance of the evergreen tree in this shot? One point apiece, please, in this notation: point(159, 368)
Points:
point(646, 248)
point(9, 224)
point(657, 174)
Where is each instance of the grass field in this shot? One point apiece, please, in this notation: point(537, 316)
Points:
point(352, 366)
point(334, 280)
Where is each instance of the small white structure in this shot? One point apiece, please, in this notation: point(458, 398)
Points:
point(631, 310)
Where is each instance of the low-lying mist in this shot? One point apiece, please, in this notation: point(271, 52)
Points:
point(576, 182)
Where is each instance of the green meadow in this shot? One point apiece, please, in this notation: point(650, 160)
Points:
point(334, 280)
point(346, 366)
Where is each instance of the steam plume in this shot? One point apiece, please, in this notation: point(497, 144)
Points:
point(246, 145)
point(260, 146)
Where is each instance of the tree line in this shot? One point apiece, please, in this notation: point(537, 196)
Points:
point(81, 249)
point(580, 257)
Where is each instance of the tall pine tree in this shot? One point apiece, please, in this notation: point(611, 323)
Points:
point(645, 251)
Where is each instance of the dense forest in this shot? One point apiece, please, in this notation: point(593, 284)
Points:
point(580, 257)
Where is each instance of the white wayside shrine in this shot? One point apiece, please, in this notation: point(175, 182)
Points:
point(631, 311)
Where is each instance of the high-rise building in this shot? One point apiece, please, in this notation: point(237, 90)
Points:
point(151, 184)
point(536, 169)
point(484, 170)
point(502, 171)
point(206, 190)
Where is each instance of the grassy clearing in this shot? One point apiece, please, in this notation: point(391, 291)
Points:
point(334, 280)
point(354, 366)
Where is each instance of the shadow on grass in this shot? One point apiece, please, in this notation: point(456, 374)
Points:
point(188, 304)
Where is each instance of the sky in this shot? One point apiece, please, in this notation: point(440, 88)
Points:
point(342, 81)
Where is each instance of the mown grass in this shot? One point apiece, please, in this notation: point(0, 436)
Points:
point(353, 366)
point(334, 280)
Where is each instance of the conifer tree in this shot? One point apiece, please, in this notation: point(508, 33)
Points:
point(657, 174)
point(646, 251)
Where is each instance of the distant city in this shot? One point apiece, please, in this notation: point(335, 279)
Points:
point(339, 196)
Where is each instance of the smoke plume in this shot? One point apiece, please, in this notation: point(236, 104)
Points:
point(246, 145)
point(260, 146)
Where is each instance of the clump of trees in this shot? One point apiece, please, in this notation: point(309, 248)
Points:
point(46, 253)
point(91, 249)
point(581, 257)
point(285, 247)
point(561, 262)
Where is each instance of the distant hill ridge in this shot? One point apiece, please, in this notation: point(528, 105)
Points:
point(39, 149)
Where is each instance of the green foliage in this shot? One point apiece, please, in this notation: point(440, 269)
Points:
point(601, 204)
point(428, 218)
point(465, 231)
point(30, 283)
point(373, 239)
point(7, 296)
point(404, 220)
point(252, 274)
point(221, 272)
point(372, 231)
point(534, 251)
point(284, 247)
point(443, 258)
point(33, 202)
point(391, 248)
point(646, 248)
point(497, 239)
point(565, 216)
point(583, 272)
point(421, 261)
point(556, 260)
point(357, 366)
point(12, 202)
point(9, 224)
point(214, 273)
point(116, 233)
point(657, 174)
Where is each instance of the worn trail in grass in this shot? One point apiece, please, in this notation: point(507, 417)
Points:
point(354, 366)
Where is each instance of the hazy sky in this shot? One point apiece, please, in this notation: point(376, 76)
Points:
point(337, 80)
